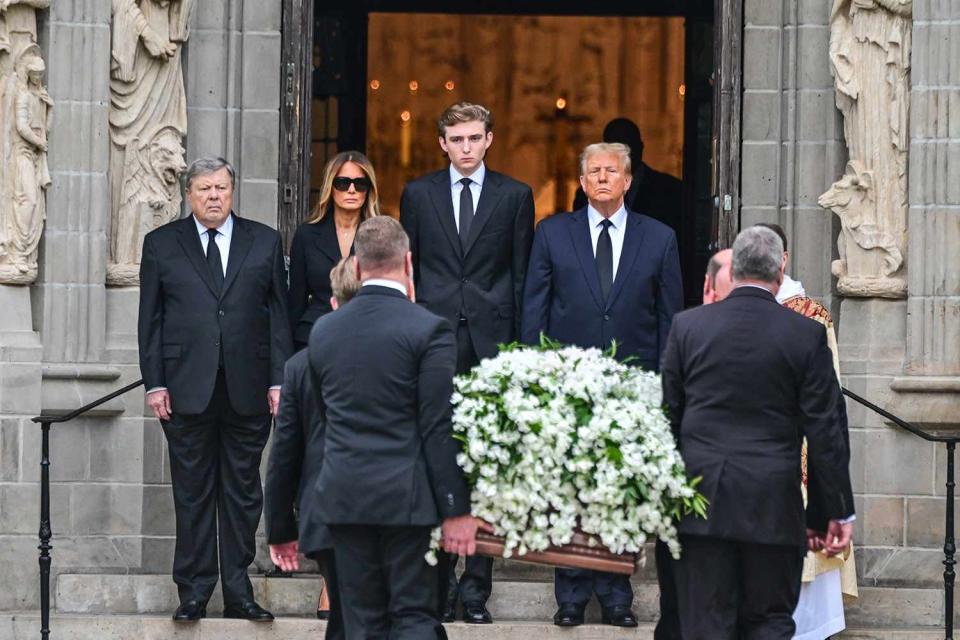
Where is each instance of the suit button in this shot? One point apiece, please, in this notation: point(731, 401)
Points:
point(606, 316)
point(217, 343)
point(220, 313)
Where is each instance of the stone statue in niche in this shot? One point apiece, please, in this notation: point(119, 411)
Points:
point(148, 120)
point(26, 113)
point(870, 58)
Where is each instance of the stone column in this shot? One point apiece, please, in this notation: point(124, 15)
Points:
point(932, 370)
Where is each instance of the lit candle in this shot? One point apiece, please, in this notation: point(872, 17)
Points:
point(405, 139)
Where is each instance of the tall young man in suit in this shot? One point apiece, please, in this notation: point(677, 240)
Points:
point(744, 381)
point(383, 370)
point(214, 336)
point(598, 275)
point(470, 232)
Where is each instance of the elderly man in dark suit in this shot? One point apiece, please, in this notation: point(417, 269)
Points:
point(214, 336)
point(382, 367)
point(470, 231)
point(295, 461)
point(744, 381)
point(599, 275)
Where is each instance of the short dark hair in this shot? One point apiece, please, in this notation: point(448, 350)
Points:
point(464, 112)
point(777, 229)
point(381, 244)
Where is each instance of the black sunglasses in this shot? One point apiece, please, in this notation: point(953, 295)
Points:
point(362, 185)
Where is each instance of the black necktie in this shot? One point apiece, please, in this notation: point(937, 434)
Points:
point(605, 259)
point(213, 260)
point(466, 211)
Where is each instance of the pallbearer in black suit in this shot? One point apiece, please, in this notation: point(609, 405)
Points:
point(470, 231)
point(744, 381)
point(348, 196)
point(383, 372)
point(598, 275)
point(214, 336)
point(295, 460)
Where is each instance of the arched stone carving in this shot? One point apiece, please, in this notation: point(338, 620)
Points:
point(26, 117)
point(148, 120)
point(870, 56)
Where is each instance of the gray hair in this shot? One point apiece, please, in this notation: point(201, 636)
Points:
point(616, 148)
point(757, 255)
point(207, 165)
point(380, 244)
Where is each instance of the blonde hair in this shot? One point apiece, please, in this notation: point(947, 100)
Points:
point(464, 112)
point(343, 280)
point(615, 148)
point(371, 205)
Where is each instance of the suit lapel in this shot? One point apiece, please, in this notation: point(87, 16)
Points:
point(580, 236)
point(239, 248)
point(443, 204)
point(189, 240)
point(632, 239)
point(326, 239)
point(490, 195)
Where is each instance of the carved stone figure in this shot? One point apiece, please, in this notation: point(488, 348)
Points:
point(26, 117)
point(870, 57)
point(148, 120)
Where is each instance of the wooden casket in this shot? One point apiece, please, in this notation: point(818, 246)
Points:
point(578, 554)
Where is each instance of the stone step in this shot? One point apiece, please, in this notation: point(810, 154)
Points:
point(25, 626)
point(512, 600)
point(156, 594)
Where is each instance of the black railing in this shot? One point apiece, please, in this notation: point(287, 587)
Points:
point(949, 437)
point(46, 533)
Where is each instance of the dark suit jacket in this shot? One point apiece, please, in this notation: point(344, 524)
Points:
point(296, 457)
point(562, 296)
point(383, 367)
point(314, 251)
point(182, 321)
point(653, 193)
point(744, 380)
point(485, 282)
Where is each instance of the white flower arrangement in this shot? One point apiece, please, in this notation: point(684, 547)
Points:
point(563, 439)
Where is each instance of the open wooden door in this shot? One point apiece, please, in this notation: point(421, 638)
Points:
point(296, 71)
point(727, 96)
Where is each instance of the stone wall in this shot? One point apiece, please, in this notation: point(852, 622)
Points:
point(111, 505)
point(900, 354)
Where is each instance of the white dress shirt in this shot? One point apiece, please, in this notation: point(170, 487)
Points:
point(476, 186)
point(224, 235)
point(617, 230)
point(384, 282)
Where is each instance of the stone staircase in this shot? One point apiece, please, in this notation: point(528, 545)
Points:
point(138, 606)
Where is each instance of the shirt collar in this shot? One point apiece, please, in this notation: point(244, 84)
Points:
point(383, 282)
point(618, 219)
point(226, 228)
point(478, 175)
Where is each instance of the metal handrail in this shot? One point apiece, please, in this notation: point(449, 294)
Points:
point(45, 531)
point(949, 544)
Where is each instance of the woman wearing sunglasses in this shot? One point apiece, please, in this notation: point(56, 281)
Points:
point(348, 197)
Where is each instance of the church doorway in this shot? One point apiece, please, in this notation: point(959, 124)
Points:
point(374, 75)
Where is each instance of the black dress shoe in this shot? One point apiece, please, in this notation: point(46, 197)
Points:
point(450, 613)
point(476, 613)
point(620, 616)
point(249, 610)
point(568, 615)
point(190, 610)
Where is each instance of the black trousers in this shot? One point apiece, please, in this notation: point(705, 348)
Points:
point(577, 586)
point(730, 590)
point(668, 626)
point(387, 589)
point(328, 569)
point(215, 473)
point(476, 582)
